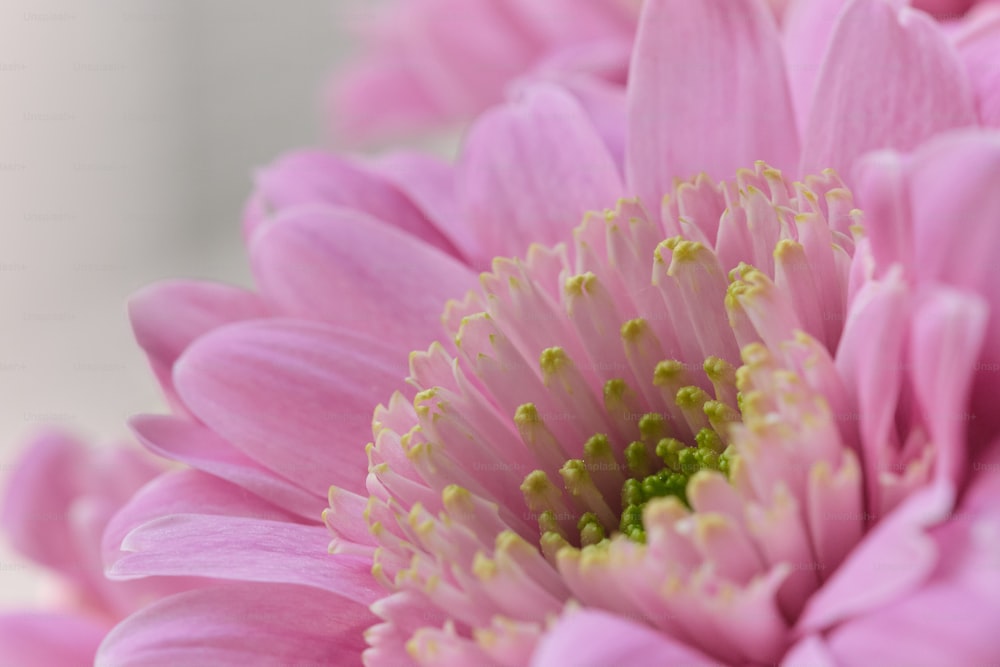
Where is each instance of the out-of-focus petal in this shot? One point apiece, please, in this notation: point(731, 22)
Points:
point(889, 80)
point(707, 93)
point(596, 639)
point(240, 624)
point(49, 639)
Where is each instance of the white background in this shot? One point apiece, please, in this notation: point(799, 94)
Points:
point(128, 134)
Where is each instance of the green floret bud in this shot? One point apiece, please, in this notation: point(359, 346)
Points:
point(632, 493)
point(631, 519)
point(637, 459)
point(709, 439)
point(652, 426)
point(591, 530)
point(668, 449)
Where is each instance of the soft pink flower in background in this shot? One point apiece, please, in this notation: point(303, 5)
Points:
point(273, 389)
point(427, 63)
point(57, 504)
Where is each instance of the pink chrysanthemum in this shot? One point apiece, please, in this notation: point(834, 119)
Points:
point(659, 432)
point(848, 407)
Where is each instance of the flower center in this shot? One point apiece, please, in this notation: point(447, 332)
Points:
point(613, 486)
point(641, 425)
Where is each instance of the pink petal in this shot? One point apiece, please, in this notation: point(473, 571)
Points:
point(242, 549)
point(979, 48)
point(429, 182)
point(598, 639)
point(607, 107)
point(183, 492)
point(806, 31)
point(530, 170)
point(870, 359)
point(169, 316)
point(882, 188)
point(891, 561)
point(889, 80)
point(45, 640)
point(354, 271)
point(941, 625)
point(296, 397)
point(39, 494)
point(238, 625)
point(809, 652)
point(946, 340)
point(707, 93)
point(191, 443)
point(389, 86)
point(949, 183)
point(311, 178)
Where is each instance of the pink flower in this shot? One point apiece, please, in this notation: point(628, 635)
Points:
point(429, 62)
point(434, 61)
point(58, 500)
point(767, 521)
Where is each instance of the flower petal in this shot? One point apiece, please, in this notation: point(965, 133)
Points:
point(182, 440)
point(597, 639)
point(530, 170)
point(707, 93)
point(238, 625)
point(311, 178)
point(806, 31)
point(169, 316)
point(43, 640)
point(38, 497)
point(949, 184)
point(351, 270)
point(979, 48)
point(242, 549)
point(183, 492)
point(296, 397)
point(892, 560)
point(917, 90)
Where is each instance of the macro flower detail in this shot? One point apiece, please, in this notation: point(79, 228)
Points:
point(740, 427)
point(655, 404)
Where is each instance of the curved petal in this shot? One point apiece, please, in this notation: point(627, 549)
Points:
point(918, 88)
point(979, 48)
point(44, 640)
point(182, 440)
point(183, 492)
point(806, 31)
point(239, 625)
point(38, 497)
point(892, 560)
point(530, 170)
point(310, 178)
point(429, 182)
point(353, 271)
point(242, 549)
point(707, 93)
point(935, 212)
point(167, 317)
point(295, 396)
point(596, 639)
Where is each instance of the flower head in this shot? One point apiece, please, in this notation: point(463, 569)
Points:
point(688, 430)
